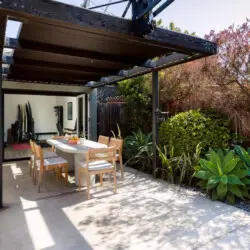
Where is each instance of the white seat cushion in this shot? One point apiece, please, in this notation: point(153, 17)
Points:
point(52, 162)
point(97, 165)
point(47, 155)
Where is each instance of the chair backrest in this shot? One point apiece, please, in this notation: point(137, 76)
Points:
point(32, 146)
point(39, 154)
point(117, 143)
point(103, 140)
point(100, 154)
point(57, 137)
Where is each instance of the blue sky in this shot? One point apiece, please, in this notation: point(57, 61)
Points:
point(198, 16)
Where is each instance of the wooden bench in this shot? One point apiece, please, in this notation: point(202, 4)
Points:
point(45, 133)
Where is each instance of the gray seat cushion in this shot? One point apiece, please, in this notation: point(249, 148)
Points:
point(47, 155)
point(52, 162)
point(97, 165)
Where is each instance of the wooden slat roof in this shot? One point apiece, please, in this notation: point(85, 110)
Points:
point(63, 44)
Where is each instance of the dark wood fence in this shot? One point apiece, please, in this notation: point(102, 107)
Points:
point(109, 115)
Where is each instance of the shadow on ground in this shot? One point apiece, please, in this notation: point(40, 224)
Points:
point(145, 214)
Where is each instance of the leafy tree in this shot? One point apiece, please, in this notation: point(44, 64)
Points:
point(172, 26)
point(232, 63)
point(137, 93)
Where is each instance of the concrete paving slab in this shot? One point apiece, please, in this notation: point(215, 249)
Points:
point(144, 214)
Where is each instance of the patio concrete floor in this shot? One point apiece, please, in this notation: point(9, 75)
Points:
point(144, 214)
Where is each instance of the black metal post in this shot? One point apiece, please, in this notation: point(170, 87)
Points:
point(155, 107)
point(3, 21)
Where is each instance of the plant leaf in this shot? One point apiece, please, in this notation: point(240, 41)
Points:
point(235, 190)
point(230, 198)
point(228, 157)
point(233, 179)
point(230, 165)
point(202, 183)
point(203, 174)
point(214, 195)
point(208, 165)
point(244, 192)
point(215, 159)
point(224, 179)
point(241, 173)
point(221, 190)
point(213, 180)
point(246, 181)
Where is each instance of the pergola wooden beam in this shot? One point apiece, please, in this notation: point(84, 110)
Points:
point(13, 43)
point(46, 64)
point(52, 12)
point(159, 64)
point(33, 71)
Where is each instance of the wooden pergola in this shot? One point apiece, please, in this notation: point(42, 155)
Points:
point(68, 50)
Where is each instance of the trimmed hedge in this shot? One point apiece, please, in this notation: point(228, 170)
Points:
point(186, 129)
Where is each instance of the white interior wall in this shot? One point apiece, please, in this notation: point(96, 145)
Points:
point(42, 111)
point(63, 101)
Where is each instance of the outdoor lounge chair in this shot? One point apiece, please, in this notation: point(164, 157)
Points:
point(98, 162)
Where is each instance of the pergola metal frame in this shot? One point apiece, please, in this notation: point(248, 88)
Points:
point(84, 49)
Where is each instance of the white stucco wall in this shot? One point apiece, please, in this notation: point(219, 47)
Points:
point(42, 110)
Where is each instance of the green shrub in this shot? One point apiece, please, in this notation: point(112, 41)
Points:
point(223, 176)
point(187, 129)
point(138, 151)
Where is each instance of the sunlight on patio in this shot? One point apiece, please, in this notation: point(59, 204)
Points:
point(39, 231)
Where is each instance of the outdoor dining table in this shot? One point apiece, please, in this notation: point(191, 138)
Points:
point(74, 154)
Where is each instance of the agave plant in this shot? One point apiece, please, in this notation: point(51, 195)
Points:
point(224, 176)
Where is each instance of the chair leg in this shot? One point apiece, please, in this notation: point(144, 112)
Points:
point(66, 175)
point(101, 179)
point(79, 179)
point(31, 165)
point(121, 166)
point(115, 182)
point(88, 185)
point(58, 173)
point(40, 180)
point(34, 177)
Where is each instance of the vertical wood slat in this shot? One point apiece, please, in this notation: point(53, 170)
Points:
point(3, 22)
point(109, 115)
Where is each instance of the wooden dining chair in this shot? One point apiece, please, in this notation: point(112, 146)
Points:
point(103, 140)
point(46, 155)
point(98, 162)
point(56, 137)
point(42, 165)
point(118, 144)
